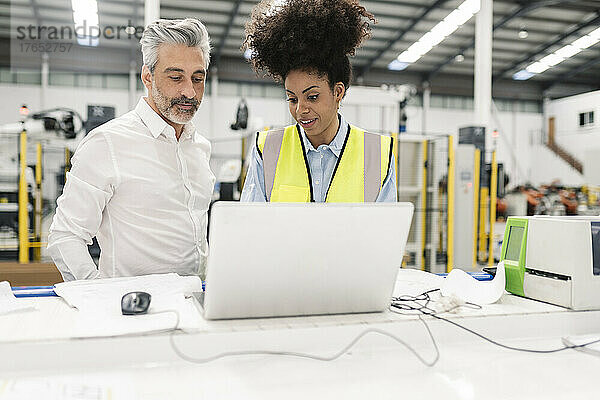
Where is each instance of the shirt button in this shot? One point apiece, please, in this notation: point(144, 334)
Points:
point(317, 182)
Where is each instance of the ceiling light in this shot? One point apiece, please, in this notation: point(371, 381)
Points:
point(396, 65)
point(551, 60)
point(585, 41)
point(86, 19)
point(91, 41)
point(419, 48)
point(522, 75)
point(443, 29)
point(408, 57)
point(537, 67)
point(85, 16)
point(458, 17)
point(459, 58)
point(567, 51)
point(90, 6)
point(471, 6)
point(595, 33)
point(523, 34)
point(431, 38)
point(440, 31)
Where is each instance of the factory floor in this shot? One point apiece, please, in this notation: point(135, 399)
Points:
point(33, 274)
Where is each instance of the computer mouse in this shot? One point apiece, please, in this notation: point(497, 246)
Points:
point(135, 303)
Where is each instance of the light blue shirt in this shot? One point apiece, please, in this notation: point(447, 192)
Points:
point(321, 162)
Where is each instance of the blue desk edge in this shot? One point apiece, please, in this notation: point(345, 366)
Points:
point(48, 291)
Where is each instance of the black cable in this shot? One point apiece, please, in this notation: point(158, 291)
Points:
point(511, 347)
point(424, 309)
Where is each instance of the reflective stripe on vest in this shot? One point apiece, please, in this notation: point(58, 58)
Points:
point(358, 175)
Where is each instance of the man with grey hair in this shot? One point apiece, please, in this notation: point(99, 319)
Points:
point(141, 183)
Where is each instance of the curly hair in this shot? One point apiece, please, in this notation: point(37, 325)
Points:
point(310, 35)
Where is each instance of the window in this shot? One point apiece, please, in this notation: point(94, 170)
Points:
point(6, 75)
point(117, 81)
point(29, 77)
point(89, 80)
point(61, 79)
point(586, 118)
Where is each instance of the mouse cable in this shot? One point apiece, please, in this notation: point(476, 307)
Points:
point(335, 356)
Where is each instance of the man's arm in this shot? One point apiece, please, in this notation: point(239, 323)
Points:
point(254, 185)
point(88, 189)
point(389, 192)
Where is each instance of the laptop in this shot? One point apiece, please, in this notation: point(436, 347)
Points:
point(292, 259)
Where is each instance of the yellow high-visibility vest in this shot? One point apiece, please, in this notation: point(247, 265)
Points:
point(358, 175)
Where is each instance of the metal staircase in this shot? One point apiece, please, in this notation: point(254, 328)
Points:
point(559, 151)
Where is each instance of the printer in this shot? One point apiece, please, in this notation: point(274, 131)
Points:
point(554, 260)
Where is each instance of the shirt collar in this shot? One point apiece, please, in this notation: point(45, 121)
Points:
point(336, 144)
point(156, 124)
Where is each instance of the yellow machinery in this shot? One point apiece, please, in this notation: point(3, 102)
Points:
point(26, 241)
point(475, 211)
point(451, 167)
point(484, 236)
point(23, 201)
point(421, 164)
point(58, 127)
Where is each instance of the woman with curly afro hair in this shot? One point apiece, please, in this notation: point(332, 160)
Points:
point(305, 44)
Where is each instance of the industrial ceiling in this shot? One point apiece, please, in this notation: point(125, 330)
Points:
point(548, 25)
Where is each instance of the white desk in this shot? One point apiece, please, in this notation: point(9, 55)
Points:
point(35, 349)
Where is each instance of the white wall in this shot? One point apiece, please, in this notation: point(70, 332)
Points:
point(579, 141)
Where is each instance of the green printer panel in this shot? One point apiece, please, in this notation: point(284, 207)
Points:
point(514, 249)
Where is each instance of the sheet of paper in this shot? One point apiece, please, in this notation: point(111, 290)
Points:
point(9, 303)
point(460, 284)
point(104, 295)
point(99, 302)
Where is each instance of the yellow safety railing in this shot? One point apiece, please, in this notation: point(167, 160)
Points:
point(23, 202)
point(493, 195)
point(450, 250)
point(395, 150)
point(29, 241)
point(483, 207)
point(476, 174)
point(37, 221)
point(424, 205)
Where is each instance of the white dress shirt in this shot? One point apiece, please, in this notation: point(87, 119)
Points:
point(142, 193)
